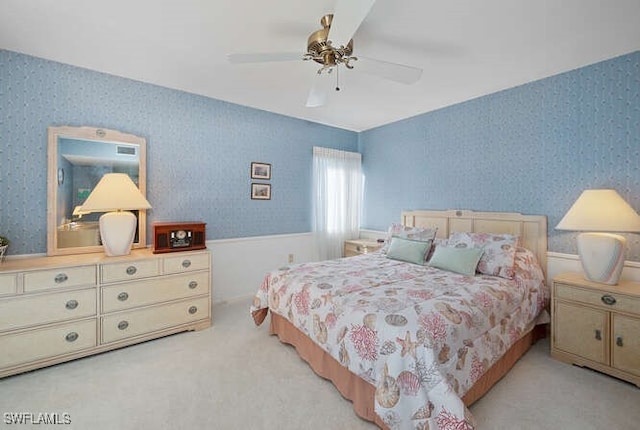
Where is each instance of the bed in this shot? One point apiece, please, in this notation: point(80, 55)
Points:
point(411, 345)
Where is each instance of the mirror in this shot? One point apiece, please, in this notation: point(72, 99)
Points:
point(78, 158)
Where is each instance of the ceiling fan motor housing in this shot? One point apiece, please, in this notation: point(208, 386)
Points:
point(321, 50)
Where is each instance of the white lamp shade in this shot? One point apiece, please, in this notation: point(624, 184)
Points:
point(600, 210)
point(116, 192)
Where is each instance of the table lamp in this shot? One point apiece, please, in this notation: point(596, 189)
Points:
point(116, 194)
point(598, 213)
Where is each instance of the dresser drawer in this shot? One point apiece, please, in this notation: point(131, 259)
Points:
point(26, 310)
point(144, 321)
point(618, 302)
point(130, 270)
point(8, 283)
point(20, 348)
point(157, 290)
point(60, 277)
point(184, 263)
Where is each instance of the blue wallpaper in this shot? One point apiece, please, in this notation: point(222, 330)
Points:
point(199, 150)
point(529, 149)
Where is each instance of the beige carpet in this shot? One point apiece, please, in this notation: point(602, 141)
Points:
point(235, 376)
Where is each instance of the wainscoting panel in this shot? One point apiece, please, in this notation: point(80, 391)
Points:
point(558, 263)
point(239, 265)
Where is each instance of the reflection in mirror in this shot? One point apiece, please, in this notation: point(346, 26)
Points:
point(78, 158)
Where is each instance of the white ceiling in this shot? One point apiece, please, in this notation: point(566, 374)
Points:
point(467, 48)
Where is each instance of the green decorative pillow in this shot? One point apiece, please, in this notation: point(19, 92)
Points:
point(458, 260)
point(411, 251)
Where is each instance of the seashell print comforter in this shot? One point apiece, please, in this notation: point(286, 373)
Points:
point(420, 335)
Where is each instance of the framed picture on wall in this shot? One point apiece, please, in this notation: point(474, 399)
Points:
point(260, 170)
point(260, 191)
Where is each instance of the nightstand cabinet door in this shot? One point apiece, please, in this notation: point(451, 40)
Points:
point(626, 344)
point(581, 331)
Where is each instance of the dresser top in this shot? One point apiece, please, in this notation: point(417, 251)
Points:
point(20, 264)
point(577, 279)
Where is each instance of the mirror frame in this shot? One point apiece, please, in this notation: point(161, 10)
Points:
point(98, 135)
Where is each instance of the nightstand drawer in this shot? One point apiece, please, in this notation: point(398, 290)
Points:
point(130, 270)
point(357, 247)
point(186, 263)
point(150, 291)
point(59, 278)
point(35, 345)
point(608, 300)
point(144, 321)
point(29, 310)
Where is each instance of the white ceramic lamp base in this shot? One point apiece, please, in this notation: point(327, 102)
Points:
point(602, 256)
point(117, 230)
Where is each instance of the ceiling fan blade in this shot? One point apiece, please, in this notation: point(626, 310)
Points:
point(347, 17)
point(391, 71)
point(259, 57)
point(319, 90)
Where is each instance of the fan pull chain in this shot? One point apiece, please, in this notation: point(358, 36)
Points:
point(337, 78)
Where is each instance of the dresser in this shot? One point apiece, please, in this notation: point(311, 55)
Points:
point(55, 309)
point(597, 325)
point(360, 246)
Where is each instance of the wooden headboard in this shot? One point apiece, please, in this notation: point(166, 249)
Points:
point(532, 229)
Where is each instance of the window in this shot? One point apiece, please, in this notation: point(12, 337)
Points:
point(337, 197)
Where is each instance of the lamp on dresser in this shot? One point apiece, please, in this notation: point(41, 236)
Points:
point(116, 194)
point(598, 214)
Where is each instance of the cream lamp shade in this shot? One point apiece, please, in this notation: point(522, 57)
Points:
point(598, 213)
point(116, 194)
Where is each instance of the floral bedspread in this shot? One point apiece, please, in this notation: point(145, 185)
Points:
point(420, 335)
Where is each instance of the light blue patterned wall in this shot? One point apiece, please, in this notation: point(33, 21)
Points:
point(531, 149)
point(198, 156)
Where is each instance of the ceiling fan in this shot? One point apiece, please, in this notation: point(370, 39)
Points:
point(332, 47)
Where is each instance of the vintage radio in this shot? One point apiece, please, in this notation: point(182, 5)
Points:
point(178, 236)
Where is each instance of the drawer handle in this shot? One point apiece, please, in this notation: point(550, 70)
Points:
point(598, 334)
point(60, 278)
point(131, 270)
point(123, 296)
point(71, 337)
point(193, 284)
point(71, 304)
point(619, 341)
point(186, 263)
point(608, 300)
point(193, 310)
point(122, 325)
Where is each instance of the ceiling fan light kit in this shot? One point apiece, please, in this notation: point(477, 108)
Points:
point(325, 47)
point(321, 50)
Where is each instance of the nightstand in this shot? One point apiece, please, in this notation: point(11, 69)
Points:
point(597, 325)
point(360, 246)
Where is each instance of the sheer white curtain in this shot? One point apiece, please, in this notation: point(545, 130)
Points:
point(337, 197)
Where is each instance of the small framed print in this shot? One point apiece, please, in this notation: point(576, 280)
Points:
point(260, 191)
point(260, 170)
